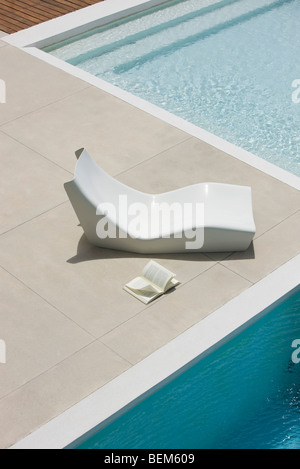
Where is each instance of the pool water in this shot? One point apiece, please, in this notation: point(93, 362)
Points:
point(227, 66)
point(245, 394)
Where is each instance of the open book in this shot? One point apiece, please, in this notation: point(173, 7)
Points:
point(154, 281)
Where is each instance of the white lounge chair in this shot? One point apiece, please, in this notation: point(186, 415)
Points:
point(206, 217)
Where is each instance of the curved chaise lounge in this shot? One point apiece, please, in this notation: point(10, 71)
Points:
point(206, 217)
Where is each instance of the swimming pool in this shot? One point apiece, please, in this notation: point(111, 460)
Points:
point(226, 66)
point(245, 394)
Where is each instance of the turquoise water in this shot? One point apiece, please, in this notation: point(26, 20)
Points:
point(226, 66)
point(245, 394)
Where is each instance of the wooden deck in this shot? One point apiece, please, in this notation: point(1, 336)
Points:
point(21, 14)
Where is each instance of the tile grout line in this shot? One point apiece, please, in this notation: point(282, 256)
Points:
point(115, 352)
point(2, 129)
point(46, 301)
point(33, 218)
point(277, 224)
point(209, 255)
point(259, 279)
point(251, 283)
point(45, 371)
point(45, 105)
point(34, 151)
point(161, 298)
point(270, 229)
point(153, 156)
point(34, 378)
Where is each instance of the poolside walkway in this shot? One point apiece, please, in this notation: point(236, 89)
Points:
point(21, 14)
point(68, 326)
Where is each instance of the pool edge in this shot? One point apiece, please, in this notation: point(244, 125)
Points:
point(88, 415)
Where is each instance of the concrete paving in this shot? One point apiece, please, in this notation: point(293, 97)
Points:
point(68, 326)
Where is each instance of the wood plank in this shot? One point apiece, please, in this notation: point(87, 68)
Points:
point(8, 17)
point(33, 7)
point(31, 16)
point(16, 15)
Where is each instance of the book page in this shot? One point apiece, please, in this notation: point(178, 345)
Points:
point(173, 283)
point(143, 295)
point(141, 285)
point(157, 275)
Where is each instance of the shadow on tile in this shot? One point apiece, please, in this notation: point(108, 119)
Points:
point(87, 252)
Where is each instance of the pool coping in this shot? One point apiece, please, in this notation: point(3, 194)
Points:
point(175, 356)
point(90, 415)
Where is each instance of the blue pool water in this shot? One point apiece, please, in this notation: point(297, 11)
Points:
point(227, 66)
point(245, 394)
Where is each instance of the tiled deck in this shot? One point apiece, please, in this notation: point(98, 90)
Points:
point(16, 15)
point(69, 327)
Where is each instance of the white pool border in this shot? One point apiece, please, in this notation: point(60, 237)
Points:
point(127, 389)
point(92, 413)
point(32, 39)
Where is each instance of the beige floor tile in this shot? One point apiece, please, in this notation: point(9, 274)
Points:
point(185, 266)
point(36, 335)
point(29, 184)
point(174, 313)
point(31, 83)
point(116, 134)
point(88, 290)
point(272, 249)
point(50, 255)
point(45, 397)
point(273, 201)
point(186, 163)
